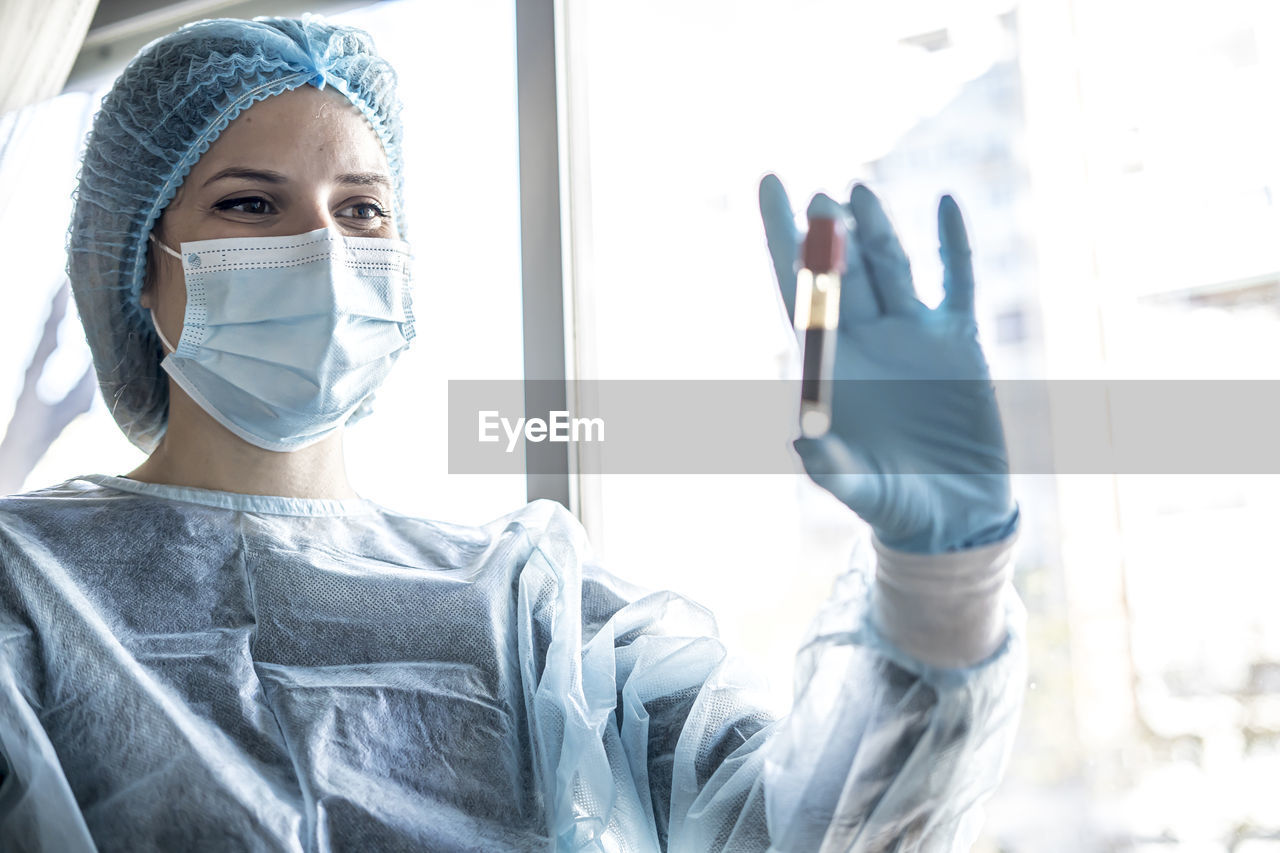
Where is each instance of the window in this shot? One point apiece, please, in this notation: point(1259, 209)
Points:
point(1151, 597)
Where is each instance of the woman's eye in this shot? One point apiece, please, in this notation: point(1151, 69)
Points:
point(253, 205)
point(363, 210)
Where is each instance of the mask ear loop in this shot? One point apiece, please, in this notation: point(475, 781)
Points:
point(169, 348)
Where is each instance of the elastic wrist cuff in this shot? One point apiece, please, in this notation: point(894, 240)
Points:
point(945, 610)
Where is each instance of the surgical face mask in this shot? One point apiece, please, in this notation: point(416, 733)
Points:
point(284, 338)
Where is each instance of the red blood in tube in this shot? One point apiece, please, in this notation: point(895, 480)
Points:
point(824, 246)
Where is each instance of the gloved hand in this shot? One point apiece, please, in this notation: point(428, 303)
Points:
point(922, 462)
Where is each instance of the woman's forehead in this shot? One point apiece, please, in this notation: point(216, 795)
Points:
point(304, 129)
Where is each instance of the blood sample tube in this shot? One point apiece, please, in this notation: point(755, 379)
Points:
point(817, 315)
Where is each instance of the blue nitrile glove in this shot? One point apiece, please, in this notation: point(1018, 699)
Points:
point(923, 462)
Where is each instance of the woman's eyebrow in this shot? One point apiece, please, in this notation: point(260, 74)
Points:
point(365, 179)
point(266, 176)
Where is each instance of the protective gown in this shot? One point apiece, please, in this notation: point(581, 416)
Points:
point(196, 670)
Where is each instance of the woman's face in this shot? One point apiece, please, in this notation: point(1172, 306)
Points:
point(296, 162)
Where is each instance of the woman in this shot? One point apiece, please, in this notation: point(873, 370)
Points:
point(228, 649)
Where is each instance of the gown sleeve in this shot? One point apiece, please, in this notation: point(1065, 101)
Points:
point(38, 812)
point(650, 738)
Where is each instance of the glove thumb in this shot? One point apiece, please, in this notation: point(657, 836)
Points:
point(840, 470)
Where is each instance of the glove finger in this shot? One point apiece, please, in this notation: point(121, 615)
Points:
point(882, 255)
point(858, 302)
point(836, 467)
point(824, 206)
point(782, 237)
point(957, 263)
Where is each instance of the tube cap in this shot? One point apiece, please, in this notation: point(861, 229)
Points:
point(823, 249)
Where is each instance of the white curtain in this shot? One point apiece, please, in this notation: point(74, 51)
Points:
point(47, 379)
point(39, 41)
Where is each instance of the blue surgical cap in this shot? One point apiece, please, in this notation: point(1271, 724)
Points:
point(165, 110)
